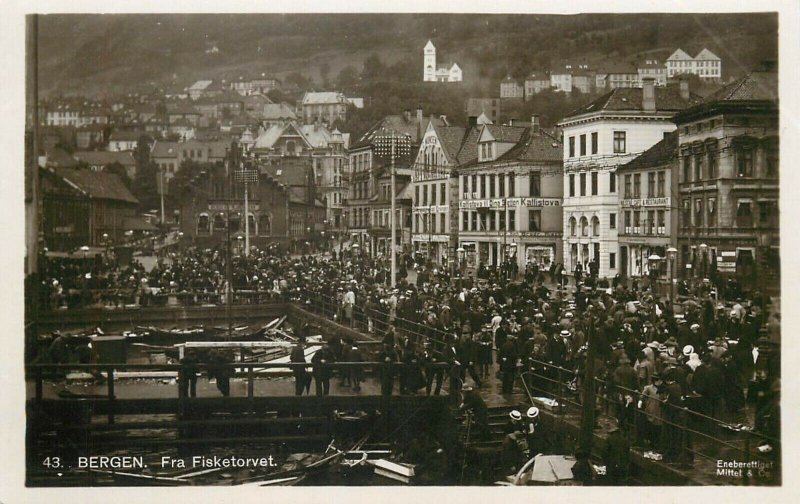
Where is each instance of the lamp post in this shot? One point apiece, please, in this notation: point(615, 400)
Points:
point(672, 253)
point(764, 239)
point(392, 144)
point(653, 260)
point(703, 249)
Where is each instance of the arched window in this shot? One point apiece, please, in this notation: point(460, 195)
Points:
point(584, 226)
point(595, 226)
point(202, 223)
point(219, 222)
point(573, 225)
point(264, 225)
point(290, 147)
point(251, 221)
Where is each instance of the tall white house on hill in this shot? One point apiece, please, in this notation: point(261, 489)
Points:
point(432, 73)
point(706, 64)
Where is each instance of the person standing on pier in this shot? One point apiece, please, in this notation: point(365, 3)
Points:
point(388, 356)
point(322, 371)
point(301, 377)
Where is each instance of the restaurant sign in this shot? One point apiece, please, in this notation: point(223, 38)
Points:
point(510, 203)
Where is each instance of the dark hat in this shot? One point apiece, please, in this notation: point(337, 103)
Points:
point(671, 342)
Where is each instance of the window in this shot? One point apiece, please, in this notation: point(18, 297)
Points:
point(583, 184)
point(744, 213)
point(484, 187)
point(662, 228)
point(572, 146)
point(416, 196)
point(464, 221)
point(202, 224)
point(536, 184)
point(474, 219)
point(661, 184)
point(425, 195)
point(767, 213)
point(572, 185)
point(612, 182)
point(572, 226)
point(474, 185)
point(651, 185)
point(512, 185)
point(711, 212)
point(441, 223)
point(583, 145)
point(464, 184)
point(687, 168)
point(636, 221)
point(594, 183)
point(492, 184)
point(627, 192)
point(651, 221)
point(584, 226)
point(619, 142)
point(502, 182)
point(535, 221)
point(594, 143)
point(637, 183)
point(595, 226)
point(628, 221)
point(744, 162)
point(612, 260)
point(612, 221)
point(698, 166)
point(772, 162)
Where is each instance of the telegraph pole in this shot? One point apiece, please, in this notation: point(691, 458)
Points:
point(587, 418)
point(394, 221)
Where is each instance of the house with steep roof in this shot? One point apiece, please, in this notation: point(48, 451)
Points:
point(99, 160)
point(597, 138)
point(706, 65)
point(324, 107)
point(511, 89)
point(80, 206)
point(728, 183)
point(431, 72)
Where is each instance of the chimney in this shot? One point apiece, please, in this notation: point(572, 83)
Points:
point(649, 94)
point(419, 123)
point(535, 123)
point(443, 118)
point(684, 84)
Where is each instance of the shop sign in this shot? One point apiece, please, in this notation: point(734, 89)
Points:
point(510, 203)
point(645, 202)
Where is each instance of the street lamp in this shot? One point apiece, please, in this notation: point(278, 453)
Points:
point(672, 254)
point(703, 248)
point(653, 260)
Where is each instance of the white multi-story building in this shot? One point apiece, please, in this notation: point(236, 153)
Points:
point(706, 65)
point(598, 137)
point(432, 73)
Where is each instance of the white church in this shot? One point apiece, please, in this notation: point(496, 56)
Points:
point(432, 73)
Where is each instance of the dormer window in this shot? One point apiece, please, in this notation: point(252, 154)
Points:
point(487, 151)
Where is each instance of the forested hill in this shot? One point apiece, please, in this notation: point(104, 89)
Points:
point(105, 54)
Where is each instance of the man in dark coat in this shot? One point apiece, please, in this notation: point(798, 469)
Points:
point(321, 370)
point(432, 357)
point(507, 358)
point(672, 412)
point(616, 456)
point(301, 377)
point(388, 357)
point(625, 385)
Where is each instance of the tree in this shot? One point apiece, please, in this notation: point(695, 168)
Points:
point(324, 72)
point(347, 80)
point(118, 169)
point(373, 67)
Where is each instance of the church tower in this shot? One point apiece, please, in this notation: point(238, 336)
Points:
point(429, 69)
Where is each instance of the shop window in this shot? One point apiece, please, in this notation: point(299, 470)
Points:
point(202, 224)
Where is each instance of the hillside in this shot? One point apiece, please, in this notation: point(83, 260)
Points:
point(98, 55)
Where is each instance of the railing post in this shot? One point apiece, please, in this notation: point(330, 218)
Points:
point(110, 372)
point(251, 386)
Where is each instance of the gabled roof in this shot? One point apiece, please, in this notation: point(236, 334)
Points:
point(668, 99)
point(430, 45)
point(505, 134)
point(58, 157)
point(658, 155)
point(97, 185)
point(104, 158)
point(268, 138)
point(450, 138)
point(469, 147)
point(705, 54)
point(539, 146)
point(200, 85)
point(324, 97)
point(275, 111)
point(679, 55)
point(399, 124)
point(753, 86)
point(162, 149)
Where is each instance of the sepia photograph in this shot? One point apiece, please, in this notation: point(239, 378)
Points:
point(402, 249)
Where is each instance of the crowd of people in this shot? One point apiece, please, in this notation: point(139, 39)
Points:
point(652, 357)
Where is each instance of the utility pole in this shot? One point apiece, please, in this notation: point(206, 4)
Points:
point(394, 220)
point(233, 160)
point(246, 175)
point(587, 418)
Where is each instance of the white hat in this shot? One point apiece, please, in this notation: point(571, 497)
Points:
point(533, 412)
point(515, 415)
point(688, 350)
point(565, 333)
point(569, 315)
point(694, 326)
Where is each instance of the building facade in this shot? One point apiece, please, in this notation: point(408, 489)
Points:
point(510, 88)
point(326, 107)
point(598, 138)
point(510, 199)
point(648, 223)
point(729, 183)
point(706, 65)
point(433, 73)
